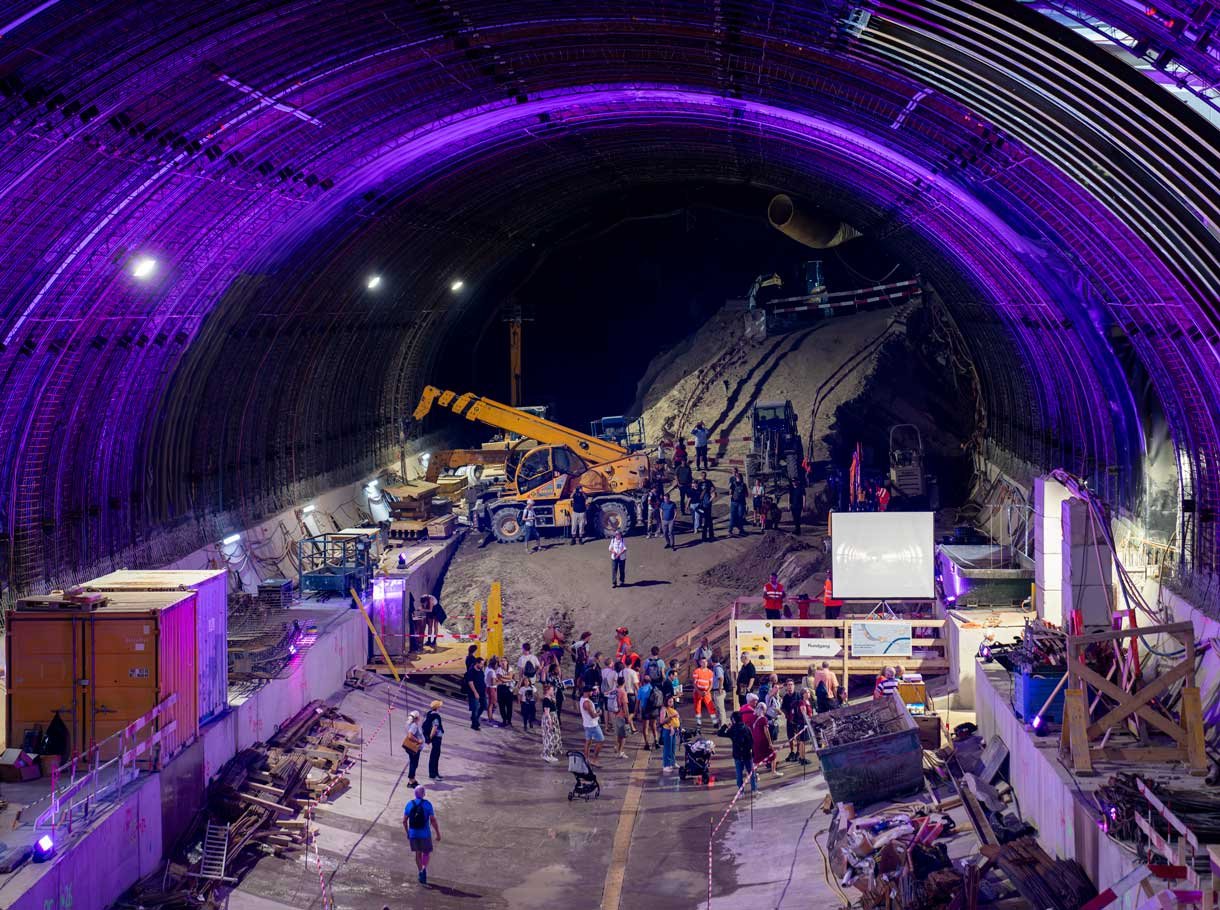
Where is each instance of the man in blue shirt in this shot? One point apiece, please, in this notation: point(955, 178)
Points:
point(669, 512)
point(700, 433)
point(417, 818)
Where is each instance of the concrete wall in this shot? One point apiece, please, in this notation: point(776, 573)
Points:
point(128, 842)
point(1047, 794)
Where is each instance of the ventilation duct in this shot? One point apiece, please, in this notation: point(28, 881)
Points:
point(804, 227)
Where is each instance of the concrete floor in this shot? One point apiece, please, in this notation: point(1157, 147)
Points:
point(511, 839)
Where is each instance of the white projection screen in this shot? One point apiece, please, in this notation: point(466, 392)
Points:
point(883, 555)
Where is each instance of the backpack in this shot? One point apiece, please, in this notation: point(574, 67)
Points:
point(654, 669)
point(531, 669)
point(656, 699)
point(417, 816)
point(612, 700)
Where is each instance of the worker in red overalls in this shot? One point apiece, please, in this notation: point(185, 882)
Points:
point(773, 598)
point(883, 498)
point(833, 607)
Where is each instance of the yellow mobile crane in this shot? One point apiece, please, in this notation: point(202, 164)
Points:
point(614, 479)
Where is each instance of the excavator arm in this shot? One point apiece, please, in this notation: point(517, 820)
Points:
point(511, 420)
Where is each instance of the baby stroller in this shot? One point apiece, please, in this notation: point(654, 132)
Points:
point(587, 786)
point(698, 762)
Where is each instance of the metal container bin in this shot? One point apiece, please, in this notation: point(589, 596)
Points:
point(103, 668)
point(211, 615)
point(874, 767)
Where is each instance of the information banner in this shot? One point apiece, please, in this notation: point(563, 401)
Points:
point(820, 647)
point(878, 638)
point(754, 638)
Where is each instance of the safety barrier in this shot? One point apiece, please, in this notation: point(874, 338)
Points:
point(77, 802)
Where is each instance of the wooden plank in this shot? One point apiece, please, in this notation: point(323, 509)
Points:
point(1080, 672)
point(1141, 753)
point(1075, 716)
point(1192, 721)
point(264, 804)
point(1130, 705)
point(1176, 629)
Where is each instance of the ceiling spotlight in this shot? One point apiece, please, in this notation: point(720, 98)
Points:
point(373, 283)
point(457, 285)
point(232, 538)
point(143, 267)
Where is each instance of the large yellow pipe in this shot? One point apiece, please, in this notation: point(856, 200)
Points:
point(804, 227)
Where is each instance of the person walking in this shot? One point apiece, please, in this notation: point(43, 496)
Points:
point(671, 723)
point(590, 719)
point(707, 495)
point(737, 503)
point(760, 733)
point(796, 503)
point(527, 663)
point(701, 436)
point(654, 667)
point(475, 686)
point(552, 741)
point(434, 733)
point(652, 504)
point(743, 752)
point(529, 522)
point(618, 560)
point(419, 821)
point(789, 707)
point(669, 513)
point(757, 492)
point(652, 699)
point(719, 678)
point(701, 686)
point(580, 515)
point(413, 744)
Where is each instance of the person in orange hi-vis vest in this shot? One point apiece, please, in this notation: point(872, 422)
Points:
point(701, 682)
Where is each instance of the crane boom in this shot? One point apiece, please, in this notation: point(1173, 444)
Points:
point(507, 418)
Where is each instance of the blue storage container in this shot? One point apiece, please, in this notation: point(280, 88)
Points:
point(1031, 690)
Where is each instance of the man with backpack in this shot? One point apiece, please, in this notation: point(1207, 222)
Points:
point(527, 663)
point(419, 821)
point(654, 667)
point(580, 511)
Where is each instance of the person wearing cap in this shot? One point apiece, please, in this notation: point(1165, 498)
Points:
point(414, 737)
point(618, 560)
point(434, 732)
point(419, 821)
point(624, 644)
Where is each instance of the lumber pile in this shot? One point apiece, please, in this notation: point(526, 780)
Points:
point(264, 795)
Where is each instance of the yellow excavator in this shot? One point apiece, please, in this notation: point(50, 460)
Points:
point(614, 480)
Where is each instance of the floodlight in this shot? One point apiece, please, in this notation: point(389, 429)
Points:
point(143, 267)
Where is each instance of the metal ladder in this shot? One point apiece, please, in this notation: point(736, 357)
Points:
point(215, 853)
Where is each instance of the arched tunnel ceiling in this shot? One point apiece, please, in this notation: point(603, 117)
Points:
point(269, 155)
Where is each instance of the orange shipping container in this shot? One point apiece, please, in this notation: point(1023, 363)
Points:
point(102, 669)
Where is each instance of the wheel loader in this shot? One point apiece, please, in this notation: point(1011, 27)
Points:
point(615, 480)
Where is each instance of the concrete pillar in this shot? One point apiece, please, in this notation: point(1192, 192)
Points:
point(1049, 496)
point(1088, 569)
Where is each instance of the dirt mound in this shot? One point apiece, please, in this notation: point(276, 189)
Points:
point(794, 559)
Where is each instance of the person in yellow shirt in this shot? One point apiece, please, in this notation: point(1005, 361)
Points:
point(701, 682)
point(671, 725)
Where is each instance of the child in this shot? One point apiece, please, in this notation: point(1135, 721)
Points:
point(529, 705)
point(675, 686)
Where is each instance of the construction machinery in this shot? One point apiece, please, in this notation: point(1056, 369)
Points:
point(613, 479)
point(446, 459)
point(777, 450)
point(621, 430)
point(906, 462)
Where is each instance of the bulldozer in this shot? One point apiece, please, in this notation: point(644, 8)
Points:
point(777, 449)
point(906, 462)
point(614, 480)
